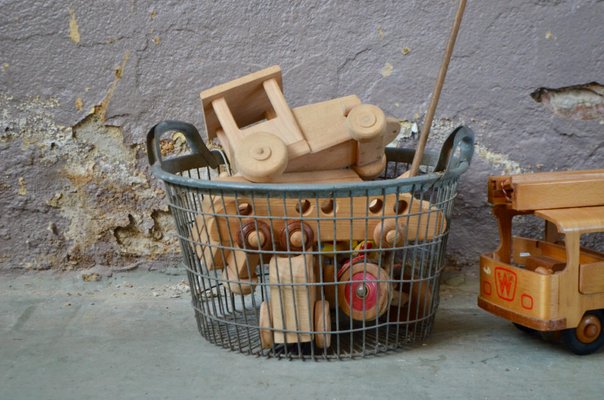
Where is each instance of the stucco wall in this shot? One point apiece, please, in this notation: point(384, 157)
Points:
point(83, 81)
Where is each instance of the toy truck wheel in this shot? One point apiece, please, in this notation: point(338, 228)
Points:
point(322, 324)
point(371, 171)
point(364, 293)
point(261, 156)
point(366, 122)
point(266, 336)
point(587, 337)
point(388, 234)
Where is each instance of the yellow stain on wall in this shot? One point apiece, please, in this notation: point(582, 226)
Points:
point(79, 104)
point(22, 189)
point(387, 70)
point(74, 31)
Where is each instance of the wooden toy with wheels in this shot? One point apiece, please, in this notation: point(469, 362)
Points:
point(294, 313)
point(402, 217)
point(551, 286)
point(264, 137)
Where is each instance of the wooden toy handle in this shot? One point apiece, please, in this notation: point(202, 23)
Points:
point(421, 145)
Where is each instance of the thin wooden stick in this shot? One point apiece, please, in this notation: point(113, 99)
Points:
point(421, 145)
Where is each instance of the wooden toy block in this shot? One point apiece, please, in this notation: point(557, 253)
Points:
point(239, 276)
point(264, 137)
point(399, 217)
point(547, 190)
point(209, 251)
point(315, 177)
point(292, 300)
point(324, 124)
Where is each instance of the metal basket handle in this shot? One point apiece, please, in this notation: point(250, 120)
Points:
point(199, 157)
point(461, 138)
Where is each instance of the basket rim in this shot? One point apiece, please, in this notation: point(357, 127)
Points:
point(462, 138)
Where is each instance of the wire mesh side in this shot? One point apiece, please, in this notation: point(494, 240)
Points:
point(316, 276)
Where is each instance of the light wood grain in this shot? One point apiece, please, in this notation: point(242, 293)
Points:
point(418, 220)
point(292, 300)
point(245, 94)
point(314, 177)
point(324, 123)
point(591, 279)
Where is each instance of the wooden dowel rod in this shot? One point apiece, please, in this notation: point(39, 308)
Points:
point(423, 138)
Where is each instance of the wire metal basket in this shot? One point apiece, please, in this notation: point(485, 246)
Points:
point(312, 271)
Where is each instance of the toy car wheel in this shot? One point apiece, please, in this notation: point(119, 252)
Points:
point(322, 324)
point(371, 171)
point(364, 291)
point(388, 234)
point(366, 122)
point(261, 156)
point(266, 336)
point(587, 337)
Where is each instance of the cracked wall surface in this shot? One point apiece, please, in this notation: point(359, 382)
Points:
point(82, 82)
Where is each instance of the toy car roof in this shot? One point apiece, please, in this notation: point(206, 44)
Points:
point(580, 219)
point(245, 97)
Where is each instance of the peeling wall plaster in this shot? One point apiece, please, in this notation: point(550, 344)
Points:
point(82, 83)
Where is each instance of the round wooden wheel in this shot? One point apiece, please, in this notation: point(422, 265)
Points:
point(364, 293)
point(371, 171)
point(266, 335)
point(388, 234)
point(254, 235)
point(261, 156)
point(322, 324)
point(412, 299)
point(299, 235)
point(238, 285)
point(587, 337)
point(366, 122)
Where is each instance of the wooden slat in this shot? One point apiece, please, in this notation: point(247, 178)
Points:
point(314, 177)
point(349, 222)
point(591, 278)
point(246, 95)
point(558, 194)
point(324, 123)
point(292, 300)
point(580, 220)
point(547, 190)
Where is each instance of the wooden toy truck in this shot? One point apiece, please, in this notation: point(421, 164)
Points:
point(550, 285)
point(264, 137)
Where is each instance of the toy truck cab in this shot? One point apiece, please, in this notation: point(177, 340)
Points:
point(550, 285)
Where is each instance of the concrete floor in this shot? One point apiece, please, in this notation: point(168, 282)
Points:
point(133, 336)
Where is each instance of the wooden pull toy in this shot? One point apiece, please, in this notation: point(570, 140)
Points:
point(293, 314)
point(415, 219)
point(265, 138)
point(549, 285)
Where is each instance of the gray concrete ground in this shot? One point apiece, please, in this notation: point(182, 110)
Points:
point(133, 335)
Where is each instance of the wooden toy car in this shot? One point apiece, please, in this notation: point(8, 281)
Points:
point(550, 285)
point(265, 138)
point(294, 312)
